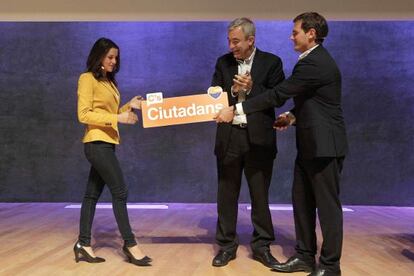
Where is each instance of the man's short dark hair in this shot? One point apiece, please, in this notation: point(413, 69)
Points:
point(313, 20)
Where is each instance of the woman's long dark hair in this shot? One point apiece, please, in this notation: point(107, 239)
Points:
point(97, 54)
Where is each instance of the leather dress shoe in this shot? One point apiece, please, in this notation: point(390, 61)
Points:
point(266, 258)
point(325, 272)
point(294, 264)
point(223, 258)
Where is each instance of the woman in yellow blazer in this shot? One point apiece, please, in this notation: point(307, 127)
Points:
point(98, 109)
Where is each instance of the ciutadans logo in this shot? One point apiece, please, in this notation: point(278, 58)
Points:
point(215, 91)
point(154, 98)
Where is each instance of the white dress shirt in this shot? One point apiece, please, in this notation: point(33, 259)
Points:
point(243, 67)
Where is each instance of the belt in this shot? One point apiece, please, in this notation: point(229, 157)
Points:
point(241, 125)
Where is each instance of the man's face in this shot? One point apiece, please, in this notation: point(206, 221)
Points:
point(240, 45)
point(302, 41)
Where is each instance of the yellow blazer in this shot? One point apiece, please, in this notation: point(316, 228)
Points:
point(98, 106)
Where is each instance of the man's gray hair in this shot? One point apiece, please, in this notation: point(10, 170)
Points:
point(245, 23)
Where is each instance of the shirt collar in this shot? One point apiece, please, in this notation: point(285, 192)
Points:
point(249, 59)
point(307, 52)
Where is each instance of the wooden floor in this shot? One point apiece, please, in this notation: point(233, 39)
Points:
point(37, 239)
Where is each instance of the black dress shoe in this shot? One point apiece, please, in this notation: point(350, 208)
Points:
point(266, 258)
point(294, 264)
point(325, 272)
point(223, 258)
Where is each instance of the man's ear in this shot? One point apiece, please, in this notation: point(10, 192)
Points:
point(251, 39)
point(312, 34)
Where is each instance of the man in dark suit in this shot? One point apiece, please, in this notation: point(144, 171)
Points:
point(315, 86)
point(246, 143)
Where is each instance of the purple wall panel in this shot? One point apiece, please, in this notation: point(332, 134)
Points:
point(41, 156)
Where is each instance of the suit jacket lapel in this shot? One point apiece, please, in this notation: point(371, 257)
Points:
point(232, 70)
point(117, 94)
point(256, 64)
point(113, 90)
point(256, 69)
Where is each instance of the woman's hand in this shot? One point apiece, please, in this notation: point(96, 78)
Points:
point(128, 117)
point(135, 102)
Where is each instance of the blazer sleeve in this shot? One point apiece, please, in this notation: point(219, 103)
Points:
point(125, 107)
point(86, 115)
point(304, 79)
point(275, 74)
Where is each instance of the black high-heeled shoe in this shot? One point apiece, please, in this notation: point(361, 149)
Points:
point(140, 262)
point(79, 250)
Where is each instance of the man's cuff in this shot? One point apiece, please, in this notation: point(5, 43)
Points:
point(239, 109)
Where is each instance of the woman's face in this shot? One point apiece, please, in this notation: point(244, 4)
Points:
point(109, 61)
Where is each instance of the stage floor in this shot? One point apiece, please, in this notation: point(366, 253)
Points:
point(37, 239)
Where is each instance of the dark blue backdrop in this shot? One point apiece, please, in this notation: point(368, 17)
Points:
point(41, 156)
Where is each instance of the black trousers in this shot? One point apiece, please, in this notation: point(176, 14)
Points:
point(105, 169)
point(316, 187)
point(258, 174)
